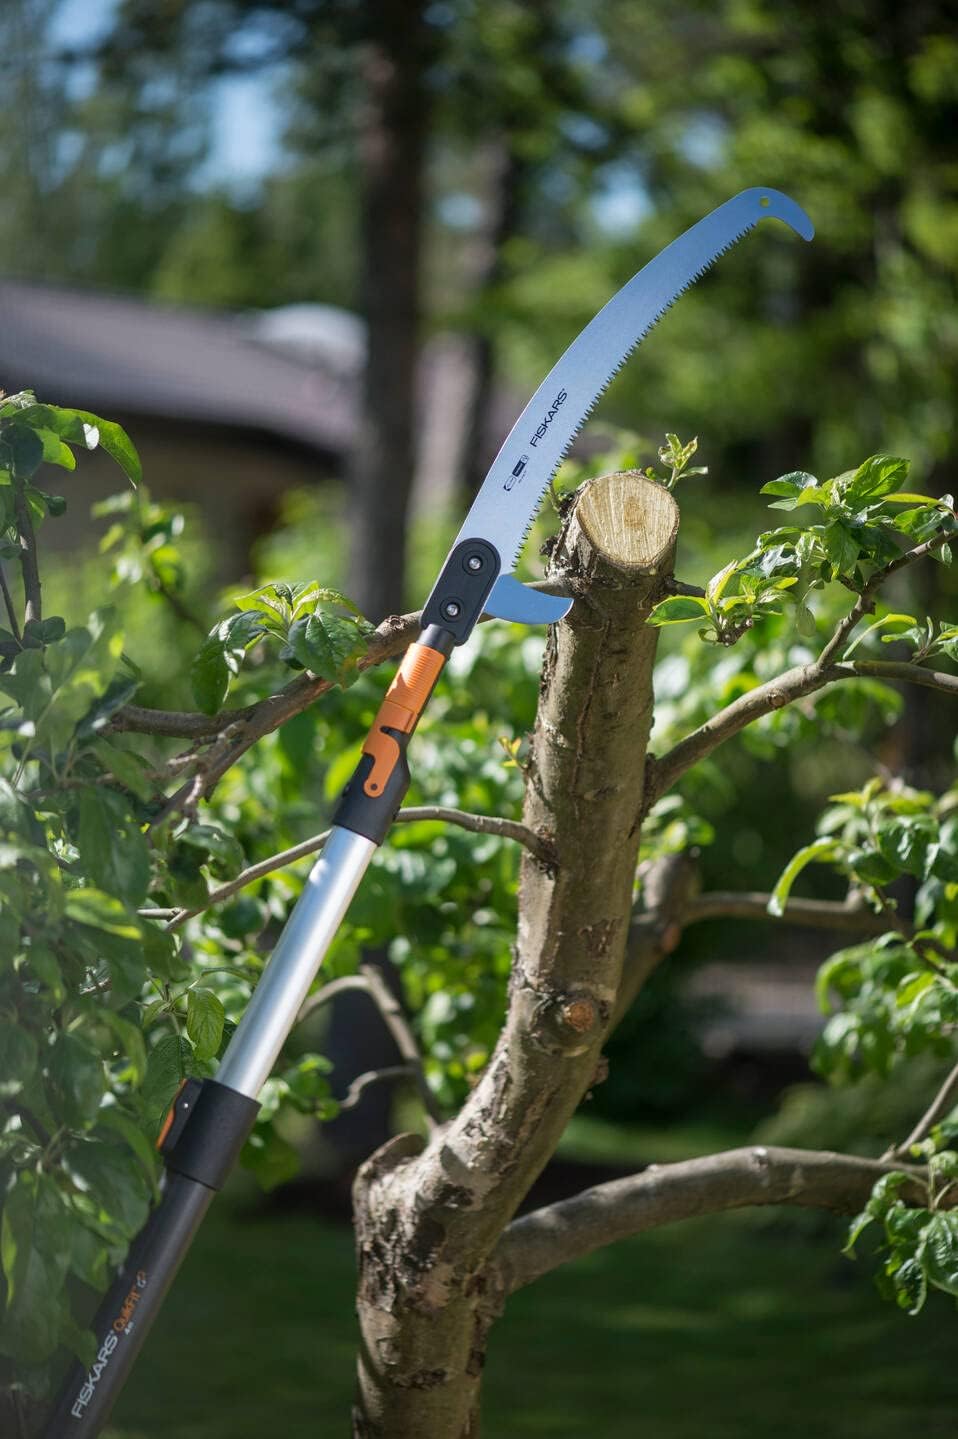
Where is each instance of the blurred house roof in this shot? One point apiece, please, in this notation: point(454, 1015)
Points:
point(291, 372)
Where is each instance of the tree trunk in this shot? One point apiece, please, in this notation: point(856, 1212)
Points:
point(508, 175)
point(428, 1217)
point(392, 150)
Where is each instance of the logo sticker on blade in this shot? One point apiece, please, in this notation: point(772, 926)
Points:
point(517, 472)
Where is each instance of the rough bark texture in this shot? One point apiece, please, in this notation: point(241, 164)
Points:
point(428, 1219)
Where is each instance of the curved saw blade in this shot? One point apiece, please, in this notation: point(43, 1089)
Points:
point(506, 504)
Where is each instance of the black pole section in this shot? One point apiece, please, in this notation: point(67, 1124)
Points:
point(128, 1309)
point(206, 1128)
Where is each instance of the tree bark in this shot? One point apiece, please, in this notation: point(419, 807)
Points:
point(428, 1218)
point(392, 147)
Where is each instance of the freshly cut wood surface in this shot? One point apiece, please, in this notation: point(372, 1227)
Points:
point(629, 519)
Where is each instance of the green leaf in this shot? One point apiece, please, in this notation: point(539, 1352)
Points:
point(101, 911)
point(112, 847)
point(841, 546)
point(221, 655)
point(677, 609)
point(308, 1085)
point(82, 428)
point(938, 1252)
point(210, 677)
point(875, 477)
point(113, 1118)
point(80, 1342)
point(55, 505)
point(789, 487)
point(325, 642)
point(119, 1190)
point(76, 1080)
point(804, 620)
point(55, 452)
point(30, 1329)
point(130, 1041)
point(223, 853)
point(16, 1232)
point(18, 1058)
point(90, 1257)
point(204, 1021)
point(26, 449)
point(44, 964)
point(820, 851)
point(126, 766)
point(170, 1061)
point(52, 1217)
point(718, 584)
point(882, 623)
point(905, 842)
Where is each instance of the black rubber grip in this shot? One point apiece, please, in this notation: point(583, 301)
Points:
point(128, 1309)
point(208, 1126)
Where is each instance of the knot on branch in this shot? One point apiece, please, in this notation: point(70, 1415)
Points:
point(580, 1015)
point(563, 1022)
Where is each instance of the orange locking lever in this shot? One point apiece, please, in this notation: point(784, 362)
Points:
point(402, 705)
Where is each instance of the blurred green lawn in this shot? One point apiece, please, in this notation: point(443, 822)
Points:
point(730, 1327)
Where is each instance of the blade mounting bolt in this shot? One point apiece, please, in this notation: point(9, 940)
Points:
point(474, 563)
point(451, 610)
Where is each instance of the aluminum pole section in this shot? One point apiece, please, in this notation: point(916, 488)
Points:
point(319, 911)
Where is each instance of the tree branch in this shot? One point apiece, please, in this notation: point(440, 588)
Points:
point(866, 597)
point(28, 553)
point(8, 602)
point(944, 1101)
point(663, 1194)
point(329, 992)
point(801, 681)
point(371, 982)
point(809, 913)
point(475, 823)
point(903, 670)
point(403, 1037)
point(372, 1076)
point(388, 640)
point(584, 790)
point(775, 694)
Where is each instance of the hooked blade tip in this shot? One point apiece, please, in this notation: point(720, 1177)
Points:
point(782, 207)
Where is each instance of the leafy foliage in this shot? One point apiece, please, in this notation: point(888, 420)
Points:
point(896, 994)
point(105, 1005)
point(318, 629)
point(857, 532)
point(920, 1243)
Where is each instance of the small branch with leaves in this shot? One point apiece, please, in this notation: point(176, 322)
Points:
point(370, 981)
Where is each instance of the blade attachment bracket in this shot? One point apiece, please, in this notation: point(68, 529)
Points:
point(459, 595)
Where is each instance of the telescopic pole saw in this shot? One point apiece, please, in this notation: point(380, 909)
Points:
point(210, 1119)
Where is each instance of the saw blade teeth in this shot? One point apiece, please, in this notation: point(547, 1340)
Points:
point(639, 337)
point(483, 515)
